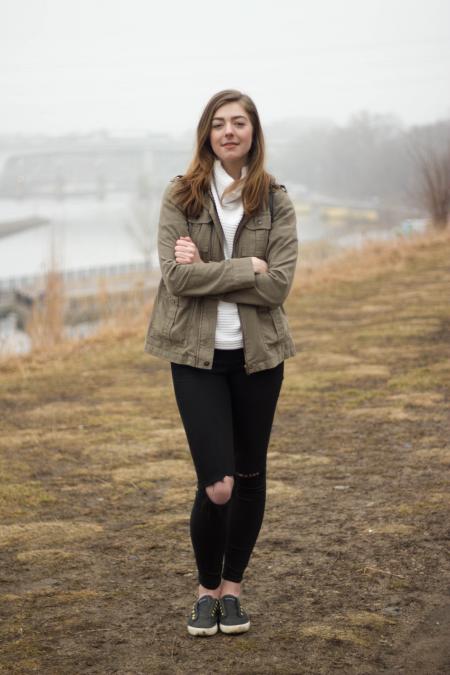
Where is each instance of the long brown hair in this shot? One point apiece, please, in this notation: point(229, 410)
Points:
point(190, 189)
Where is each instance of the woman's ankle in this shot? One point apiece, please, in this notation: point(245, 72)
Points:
point(202, 590)
point(230, 588)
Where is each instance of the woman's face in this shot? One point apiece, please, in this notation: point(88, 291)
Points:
point(231, 134)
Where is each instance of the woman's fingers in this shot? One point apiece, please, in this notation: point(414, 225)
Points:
point(185, 250)
point(183, 245)
point(183, 255)
point(259, 266)
point(181, 252)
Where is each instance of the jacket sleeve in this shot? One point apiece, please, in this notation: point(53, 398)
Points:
point(272, 288)
point(210, 278)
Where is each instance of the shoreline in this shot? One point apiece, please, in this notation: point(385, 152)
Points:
point(9, 227)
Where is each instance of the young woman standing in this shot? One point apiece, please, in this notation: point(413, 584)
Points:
point(228, 247)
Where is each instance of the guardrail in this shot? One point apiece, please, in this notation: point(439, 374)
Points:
point(20, 282)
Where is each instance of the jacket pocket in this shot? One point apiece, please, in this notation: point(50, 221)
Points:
point(280, 322)
point(200, 230)
point(179, 322)
point(171, 317)
point(255, 236)
point(273, 325)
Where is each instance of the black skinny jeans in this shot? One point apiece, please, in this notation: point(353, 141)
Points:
point(227, 416)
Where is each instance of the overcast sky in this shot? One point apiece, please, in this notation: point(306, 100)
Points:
point(136, 65)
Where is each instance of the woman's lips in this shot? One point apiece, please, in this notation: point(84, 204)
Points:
point(229, 145)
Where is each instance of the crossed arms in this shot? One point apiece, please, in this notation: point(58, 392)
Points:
point(232, 280)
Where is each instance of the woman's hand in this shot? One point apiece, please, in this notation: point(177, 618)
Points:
point(186, 252)
point(259, 266)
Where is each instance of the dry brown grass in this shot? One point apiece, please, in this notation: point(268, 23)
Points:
point(46, 323)
point(42, 533)
point(327, 265)
point(97, 485)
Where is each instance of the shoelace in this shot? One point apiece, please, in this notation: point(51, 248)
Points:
point(194, 614)
point(239, 607)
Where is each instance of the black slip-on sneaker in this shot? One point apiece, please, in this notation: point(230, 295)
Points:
point(232, 616)
point(203, 619)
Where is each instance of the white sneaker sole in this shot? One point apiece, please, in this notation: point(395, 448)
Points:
point(192, 630)
point(239, 628)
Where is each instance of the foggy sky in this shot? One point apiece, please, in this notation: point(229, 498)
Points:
point(137, 65)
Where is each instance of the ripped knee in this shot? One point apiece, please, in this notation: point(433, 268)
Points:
point(220, 491)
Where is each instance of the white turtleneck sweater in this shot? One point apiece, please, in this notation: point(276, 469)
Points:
point(230, 210)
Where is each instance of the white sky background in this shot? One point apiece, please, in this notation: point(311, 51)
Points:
point(138, 65)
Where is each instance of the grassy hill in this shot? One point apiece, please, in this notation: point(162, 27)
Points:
point(350, 572)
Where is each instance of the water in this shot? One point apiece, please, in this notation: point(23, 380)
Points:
point(83, 233)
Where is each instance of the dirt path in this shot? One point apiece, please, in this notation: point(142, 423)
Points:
point(351, 571)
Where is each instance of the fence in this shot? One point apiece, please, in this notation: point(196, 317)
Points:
point(24, 282)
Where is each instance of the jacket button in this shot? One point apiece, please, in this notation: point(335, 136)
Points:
point(259, 221)
point(206, 363)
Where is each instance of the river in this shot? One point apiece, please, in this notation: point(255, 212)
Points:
point(83, 232)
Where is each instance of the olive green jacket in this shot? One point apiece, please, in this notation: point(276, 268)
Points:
point(183, 322)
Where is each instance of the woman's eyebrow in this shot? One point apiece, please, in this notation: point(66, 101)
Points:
point(233, 118)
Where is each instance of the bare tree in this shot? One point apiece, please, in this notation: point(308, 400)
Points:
point(430, 150)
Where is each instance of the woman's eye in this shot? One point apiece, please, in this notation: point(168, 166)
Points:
point(218, 126)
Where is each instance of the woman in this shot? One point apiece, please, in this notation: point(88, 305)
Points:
point(228, 248)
